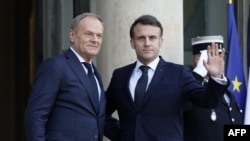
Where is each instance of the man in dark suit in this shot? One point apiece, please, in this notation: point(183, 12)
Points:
point(157, 114)
point(202, 124)
point(63, 104)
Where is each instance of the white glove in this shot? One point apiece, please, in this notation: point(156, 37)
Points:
point(200, 69)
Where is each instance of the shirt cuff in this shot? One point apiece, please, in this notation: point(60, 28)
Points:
point(222, 80)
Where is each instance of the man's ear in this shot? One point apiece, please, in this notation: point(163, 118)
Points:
point(71, 35)
point(161, 41)
point(132, 43)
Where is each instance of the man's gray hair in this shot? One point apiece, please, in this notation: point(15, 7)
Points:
point(78, 18)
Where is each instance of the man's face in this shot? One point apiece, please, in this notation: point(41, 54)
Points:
point(196, 58)
point(86, 38)
point(146, 42)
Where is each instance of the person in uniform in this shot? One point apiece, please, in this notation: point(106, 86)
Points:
point(203, 124)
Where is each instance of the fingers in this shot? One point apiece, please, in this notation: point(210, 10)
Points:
point(222, 53)
point(214, 51)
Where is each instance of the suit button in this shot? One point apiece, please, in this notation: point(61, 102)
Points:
point(230, 108)
point(233, 119)
point(96, 137)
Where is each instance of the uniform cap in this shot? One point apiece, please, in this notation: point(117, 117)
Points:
point(200, 43)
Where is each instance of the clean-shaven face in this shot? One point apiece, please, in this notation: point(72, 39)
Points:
point(86, 38)
point(146, 42)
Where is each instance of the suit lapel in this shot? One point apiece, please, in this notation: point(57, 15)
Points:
point(102, 96)
point(127, 76)
point(159, 72)
point(76, 66)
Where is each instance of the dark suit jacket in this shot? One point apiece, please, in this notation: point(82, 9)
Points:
point(160, 118)
point(61, 106)
point(200, 126)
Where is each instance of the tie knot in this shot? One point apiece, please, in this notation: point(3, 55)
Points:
point(88, 66)
point(144, 69)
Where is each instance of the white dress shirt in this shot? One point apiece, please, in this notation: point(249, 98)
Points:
point(137, 74)
point(86, 70)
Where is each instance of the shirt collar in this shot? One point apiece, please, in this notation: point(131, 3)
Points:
point(78, 56)
point(152, 65)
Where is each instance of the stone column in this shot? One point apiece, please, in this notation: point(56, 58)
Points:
point(118, 15)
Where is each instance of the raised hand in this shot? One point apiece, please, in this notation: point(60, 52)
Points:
point(215, 62)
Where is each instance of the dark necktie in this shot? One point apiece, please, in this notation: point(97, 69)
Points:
point(141, 86)
point(93, 82)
